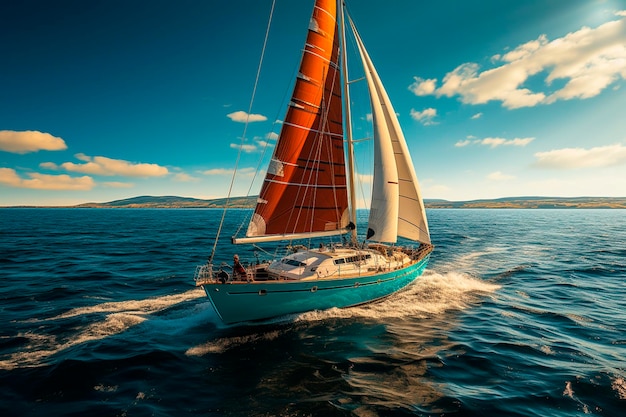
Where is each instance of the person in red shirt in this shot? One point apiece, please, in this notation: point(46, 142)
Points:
point(239, 272)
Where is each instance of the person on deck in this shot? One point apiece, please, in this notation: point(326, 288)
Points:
point(239, 272)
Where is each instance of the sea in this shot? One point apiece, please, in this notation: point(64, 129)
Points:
point(519, 313)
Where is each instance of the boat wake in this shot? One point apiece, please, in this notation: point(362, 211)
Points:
point(146, 306)
point(431, 295)
point(120, 316)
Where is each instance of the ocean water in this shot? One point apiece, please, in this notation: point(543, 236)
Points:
point(520, 313)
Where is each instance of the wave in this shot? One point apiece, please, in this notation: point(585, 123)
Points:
point(223, 344)
point(588, 388)
point(39, 346)
point(146, 306)
point(122, 316)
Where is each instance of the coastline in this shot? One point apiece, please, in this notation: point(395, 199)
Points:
point(173, 202)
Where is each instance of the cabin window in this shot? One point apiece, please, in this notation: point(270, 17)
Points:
point(293, 262)
point(351, 259)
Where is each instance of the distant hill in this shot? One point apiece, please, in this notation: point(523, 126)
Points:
point(535, 203)
point(249, 202)
point(173, 202)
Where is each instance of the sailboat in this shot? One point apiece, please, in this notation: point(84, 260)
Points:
point(309, 193)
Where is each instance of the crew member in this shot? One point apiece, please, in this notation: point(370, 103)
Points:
point(239, 272)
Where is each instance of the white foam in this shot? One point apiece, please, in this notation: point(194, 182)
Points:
point(149, 305)
point(223, 344)
point(43, 346)
point(569, 392)
point(180, 321)
point(468, 260)
point(105, 388)
point(619, 386)
point(123, 315)
point(431, 294)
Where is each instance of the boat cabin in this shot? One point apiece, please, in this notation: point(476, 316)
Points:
point(334, 263)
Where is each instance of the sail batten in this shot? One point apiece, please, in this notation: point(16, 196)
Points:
point(288, 236)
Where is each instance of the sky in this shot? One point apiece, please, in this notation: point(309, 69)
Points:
point(108, 99)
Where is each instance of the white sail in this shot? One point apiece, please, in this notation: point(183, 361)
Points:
point(403, 214)
point(383, 219)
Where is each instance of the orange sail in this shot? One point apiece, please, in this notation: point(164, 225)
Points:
point(305, 189)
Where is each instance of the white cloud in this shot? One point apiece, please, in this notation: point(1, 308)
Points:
point(38, 181)
point(365, 179)
point(246, 172)
point(258, 143)
point(243, 117)
point(477, 116)
point(264, 143)
point(218, 171)
point(117, 184)
point(499, 176)
point(422, 87)
point(572, 158)
point(589, 60)
point(29, 141)
point(495, 142)
point(432, 189)
point(182, 177)
point(425, 116)
point(100, 165)
point(247, 148)
point(49, 165)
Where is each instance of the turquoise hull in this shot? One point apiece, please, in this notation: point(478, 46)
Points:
point(254, 301)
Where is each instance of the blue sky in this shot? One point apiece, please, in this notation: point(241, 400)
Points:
point(103, 100)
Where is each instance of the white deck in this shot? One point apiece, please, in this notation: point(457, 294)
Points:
point(335, 263)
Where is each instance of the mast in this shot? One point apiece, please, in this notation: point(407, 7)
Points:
point(348, 122)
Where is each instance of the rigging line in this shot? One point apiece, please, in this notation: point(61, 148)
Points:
point(267, 147)
point(256, 174)
point(309, 190)
point(328, 148)
point(245, 128)
point(257, 247)
point(356, 81)
point(347, 120)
